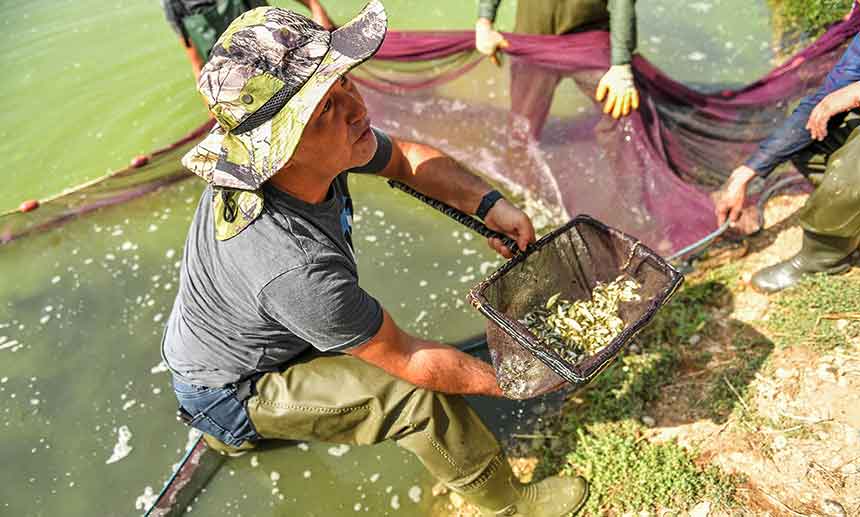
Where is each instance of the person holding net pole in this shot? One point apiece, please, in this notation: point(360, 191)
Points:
point(821, 139)
point(532, 86)
point(199, 23)
point(271, 335)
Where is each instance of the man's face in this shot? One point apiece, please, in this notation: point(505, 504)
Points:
point(337, 137)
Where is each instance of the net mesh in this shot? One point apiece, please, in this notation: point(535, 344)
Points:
point(533, 127)
point(570, 262)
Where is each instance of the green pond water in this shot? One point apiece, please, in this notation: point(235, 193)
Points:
point(89, 85)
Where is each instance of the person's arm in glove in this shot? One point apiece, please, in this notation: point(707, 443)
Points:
point(488, 40)
point(617, 87)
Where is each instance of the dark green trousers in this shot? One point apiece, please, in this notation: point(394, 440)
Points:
point(342, 399)
point(834, 208)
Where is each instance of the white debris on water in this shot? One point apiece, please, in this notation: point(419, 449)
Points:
point(696, 56)
point(9, 344)
point(370, 238)
point(45, 319)
point(127, 245)
point(159, 368)
point(469, 251)
point(339, 450)
point(395, 502)
point(275, 476)
point(485, 267)
point(374, 477)
point(128, 405)
point(702, 7)
point(193, 435)
point(255, 462)
point(357, 507)
point(122, 448)
point(34, 402)
point(421, 316)
point(156, 391)
point(415, 494)
point(145, 501)
point(56, 279)
point(306, 474)
point(4, 380)
point(157, 317)
point(170, 253)
point(422, 283)
point(303, 446)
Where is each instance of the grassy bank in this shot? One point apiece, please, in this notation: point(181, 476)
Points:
point(799, 21)
point(695, 369)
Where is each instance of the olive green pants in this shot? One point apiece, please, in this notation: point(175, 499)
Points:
point(834, 208)
point(342, 399)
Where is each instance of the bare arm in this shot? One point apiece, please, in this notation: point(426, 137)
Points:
point(841, 100)
point(318, 13)
point(194, 57)
point(439, 176)
point(427, 364)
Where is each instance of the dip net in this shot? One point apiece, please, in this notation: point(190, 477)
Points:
point(649, 174)
point(616, 285)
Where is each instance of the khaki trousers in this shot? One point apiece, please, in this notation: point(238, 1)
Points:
point(341, 399)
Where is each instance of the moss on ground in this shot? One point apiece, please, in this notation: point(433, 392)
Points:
point(630, 474)
point(802, 20)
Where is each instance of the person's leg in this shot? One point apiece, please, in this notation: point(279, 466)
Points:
point(830, 220)
point(532, 88)
point(342, 399)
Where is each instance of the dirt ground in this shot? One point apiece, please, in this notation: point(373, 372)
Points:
point(810, 465)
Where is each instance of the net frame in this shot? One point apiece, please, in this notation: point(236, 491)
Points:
point(513, 331)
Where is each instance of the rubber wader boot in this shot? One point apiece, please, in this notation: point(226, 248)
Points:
point(819, 254)
point(227, 450)
point(497, 492)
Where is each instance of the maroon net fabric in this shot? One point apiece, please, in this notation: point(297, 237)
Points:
point(649, 174)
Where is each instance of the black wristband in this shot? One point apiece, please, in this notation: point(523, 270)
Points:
point(487, 203)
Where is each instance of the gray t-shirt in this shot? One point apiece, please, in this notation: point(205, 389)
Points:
point(288, 281)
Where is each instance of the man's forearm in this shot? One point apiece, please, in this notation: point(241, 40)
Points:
point(439, 176)
point(445, 369)
point(487, 9)
point(622, 30)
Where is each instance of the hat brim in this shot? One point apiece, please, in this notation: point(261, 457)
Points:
point(245, 161)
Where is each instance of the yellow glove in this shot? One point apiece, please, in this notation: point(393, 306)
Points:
point(489, 41)
point(618, 89)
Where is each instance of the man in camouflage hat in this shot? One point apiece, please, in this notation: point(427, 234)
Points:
point(271, 335)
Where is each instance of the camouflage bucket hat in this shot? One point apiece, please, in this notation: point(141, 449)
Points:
point(264, 78)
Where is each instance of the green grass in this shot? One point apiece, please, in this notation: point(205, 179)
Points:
point(809, 18)
point(628, 474)
point(800, 316)
point(600, 434)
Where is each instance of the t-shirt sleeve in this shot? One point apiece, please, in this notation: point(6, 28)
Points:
point(323, 304)
point(380, 158)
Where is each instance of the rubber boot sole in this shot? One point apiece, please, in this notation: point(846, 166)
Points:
point(584, 500)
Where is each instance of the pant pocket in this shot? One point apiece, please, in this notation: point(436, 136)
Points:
point(202, 422)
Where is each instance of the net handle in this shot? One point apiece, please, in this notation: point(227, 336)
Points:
point(458, 215)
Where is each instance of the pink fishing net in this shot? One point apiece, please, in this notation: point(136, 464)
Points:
point(649, 174)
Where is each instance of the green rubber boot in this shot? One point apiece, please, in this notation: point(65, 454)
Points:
point(497, 492)
point(819, 254)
